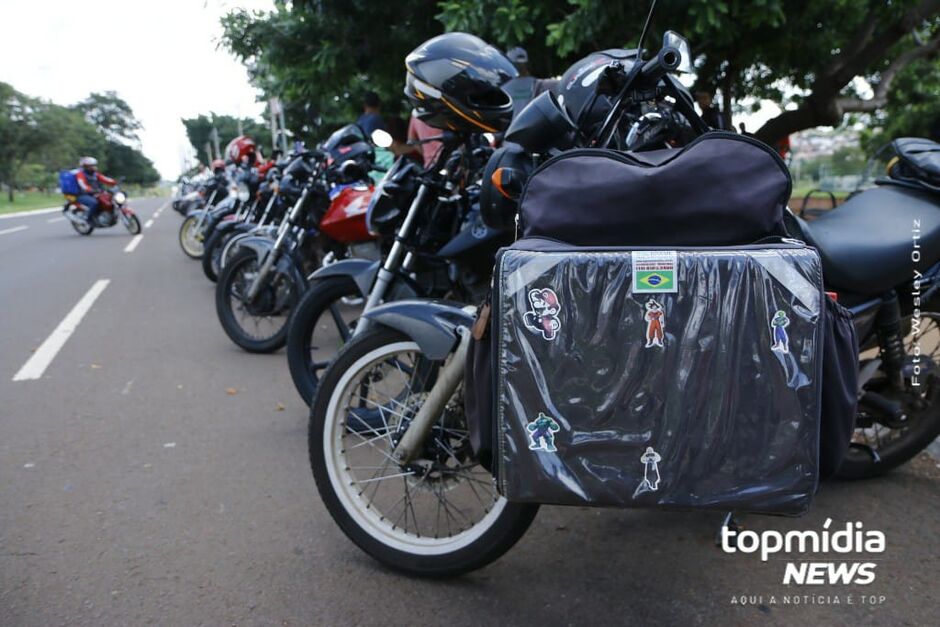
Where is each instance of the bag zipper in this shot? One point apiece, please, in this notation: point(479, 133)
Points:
point(781, 243)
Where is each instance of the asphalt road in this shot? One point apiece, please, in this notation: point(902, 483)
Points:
point(136, 489)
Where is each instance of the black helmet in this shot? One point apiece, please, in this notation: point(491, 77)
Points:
point(454, 82)
point(577, 86)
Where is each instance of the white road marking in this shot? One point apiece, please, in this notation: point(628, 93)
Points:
point(13, 230)
point(148, 223)
point(36, 365)
point(170, 445)
point(59, 219)
point(133, 244)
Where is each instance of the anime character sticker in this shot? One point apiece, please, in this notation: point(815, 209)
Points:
point(542, 432)
point(543, 317)
point(778, 325)
point(650, 483)
point(655, 324)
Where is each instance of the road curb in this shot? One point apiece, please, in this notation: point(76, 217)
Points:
point(29, 212)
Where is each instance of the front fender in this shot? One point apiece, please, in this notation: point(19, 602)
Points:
point(432, 324)
point(258, 244)
point(361, 271)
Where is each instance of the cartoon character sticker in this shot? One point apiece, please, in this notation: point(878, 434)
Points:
point(655, 324)
point(542, 432)
point(650, 483)
point(543, 317)
point(778, 325)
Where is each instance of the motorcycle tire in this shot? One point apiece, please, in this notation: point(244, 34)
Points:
point(82, 229)
point(132, 224)
point(190, 241)
point(228, 285)
point(368, 521)
point(322, 297)
point(212, 254)
point(910, 440)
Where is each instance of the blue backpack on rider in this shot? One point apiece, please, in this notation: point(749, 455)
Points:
point(68, 183)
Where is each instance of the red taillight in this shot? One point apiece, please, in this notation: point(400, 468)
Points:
point(834, 296)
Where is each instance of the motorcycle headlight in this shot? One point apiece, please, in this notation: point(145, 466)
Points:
point(120, 198)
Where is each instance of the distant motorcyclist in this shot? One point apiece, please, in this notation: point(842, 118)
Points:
point(91, 182)
point(524, 87)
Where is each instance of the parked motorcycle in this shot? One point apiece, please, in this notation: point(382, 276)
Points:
point(389, 444)
point(441, 249)
point(191, 233)
point(259, 286)
point(112, 207)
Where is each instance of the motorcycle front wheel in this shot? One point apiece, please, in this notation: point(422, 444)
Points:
point(132, 224)
point(319, 326)
point(438, 516)
point(212, 253)
point(261, 326)
point(880, 445)
point(190, 237)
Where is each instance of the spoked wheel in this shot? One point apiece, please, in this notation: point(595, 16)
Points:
point(881, 443)
point(81, 227)
point(441, 514)
point(321, 323)
point(261, 326)
point(131, 223)
point(190, 237)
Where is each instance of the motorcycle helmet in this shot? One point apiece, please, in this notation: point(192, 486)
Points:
point(454, 82)
point(348, 142)
point(576, 89)
point(88, 163)
point(241, 146)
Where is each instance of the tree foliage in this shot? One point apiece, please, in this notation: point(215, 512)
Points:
point(199, 132)
point(320, 56)
point(39, 138)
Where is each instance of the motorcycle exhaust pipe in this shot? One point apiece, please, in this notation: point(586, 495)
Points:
point(74, 218)
point(448, 379)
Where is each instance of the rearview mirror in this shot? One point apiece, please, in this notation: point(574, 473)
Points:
point(381, 138)
point(677, 41)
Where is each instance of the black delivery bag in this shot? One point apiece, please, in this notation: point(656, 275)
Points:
point(683, 377)
point(656, 340)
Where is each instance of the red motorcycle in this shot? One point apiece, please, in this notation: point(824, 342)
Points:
point(112, 206)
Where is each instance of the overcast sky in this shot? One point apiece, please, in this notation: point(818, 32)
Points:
point(159, 56)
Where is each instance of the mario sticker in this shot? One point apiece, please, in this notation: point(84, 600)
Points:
point(543, 317)
point(542, 432)
point(655, 324)
point(778, 325)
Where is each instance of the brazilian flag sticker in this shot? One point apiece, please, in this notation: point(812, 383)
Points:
point(654, 271)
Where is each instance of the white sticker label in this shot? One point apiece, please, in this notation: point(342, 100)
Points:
point(654, 271)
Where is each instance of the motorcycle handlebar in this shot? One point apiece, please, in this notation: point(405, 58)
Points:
point(667, 60)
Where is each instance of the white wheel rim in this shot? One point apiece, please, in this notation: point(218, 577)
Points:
point(366, 518)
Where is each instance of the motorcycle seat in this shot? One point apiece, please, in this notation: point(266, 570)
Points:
point(866, 244)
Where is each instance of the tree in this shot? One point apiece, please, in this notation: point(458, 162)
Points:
point(111, 115)
point(199, 130)
point(125, 162)
point(320, 57)
point(803, 53)
point(21, 134)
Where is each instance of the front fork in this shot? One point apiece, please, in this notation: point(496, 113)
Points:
point(393, 261)
point(449, 377)
point(274, 254)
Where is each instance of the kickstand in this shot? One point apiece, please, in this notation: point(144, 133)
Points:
point(733, 524)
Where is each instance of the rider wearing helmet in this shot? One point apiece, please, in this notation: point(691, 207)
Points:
point(455, 82)
point(91, 182)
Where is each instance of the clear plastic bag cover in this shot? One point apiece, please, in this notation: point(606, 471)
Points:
point(694, 384)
